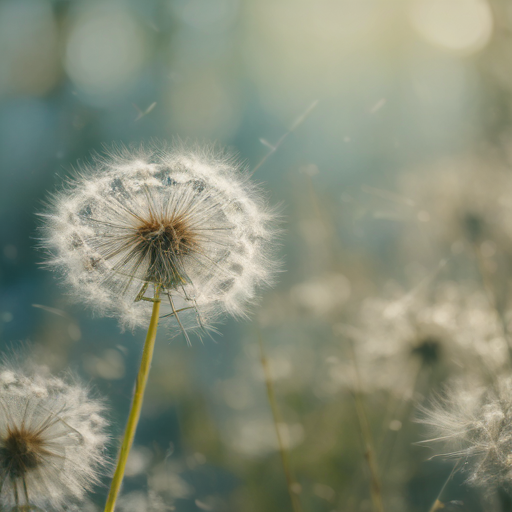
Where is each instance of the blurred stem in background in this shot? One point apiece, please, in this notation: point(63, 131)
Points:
point(290, 481)
point(400, 410)
point(369, 452)
point(138, 397)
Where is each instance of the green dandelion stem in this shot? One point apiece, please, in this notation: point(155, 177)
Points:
point(138, 397)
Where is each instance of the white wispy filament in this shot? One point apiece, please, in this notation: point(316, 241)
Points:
point(187, 222)
point(473, 424)
point(52, 438)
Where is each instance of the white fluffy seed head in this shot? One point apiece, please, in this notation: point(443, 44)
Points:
point(473, 424)
point(52, 439)
point(186, 222)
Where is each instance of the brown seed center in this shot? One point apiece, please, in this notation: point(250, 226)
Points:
point(173, 236)
point(164, 243)
point(20, 452)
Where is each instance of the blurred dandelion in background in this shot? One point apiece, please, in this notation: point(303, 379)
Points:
point(401, 342)
point(458, 204)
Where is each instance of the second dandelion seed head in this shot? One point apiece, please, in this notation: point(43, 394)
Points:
point(186, 224)
point(52, 437)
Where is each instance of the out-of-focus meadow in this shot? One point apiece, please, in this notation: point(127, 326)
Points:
point(383, 128)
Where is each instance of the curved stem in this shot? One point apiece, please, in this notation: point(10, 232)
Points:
point(138, 397)
point(438, 504)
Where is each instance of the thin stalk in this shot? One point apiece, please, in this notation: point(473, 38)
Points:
point(294, 126)
point(133, 418)
point(504, 500)
point(277, 421)
point(401, 412)
point(369, 452)
point(438, 504)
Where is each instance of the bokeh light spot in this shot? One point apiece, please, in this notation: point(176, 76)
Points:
point(28, 38)
point(204, 104)
point(105, 51)
point(458, 25)
point(207, 15)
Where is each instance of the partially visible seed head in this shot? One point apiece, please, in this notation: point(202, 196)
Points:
point(472, 423)
point(51, 441)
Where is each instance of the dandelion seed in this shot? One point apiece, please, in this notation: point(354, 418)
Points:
point(378, 106)
point(52, 436)
point(188, 223)
point(473, 424)
point(140, 113)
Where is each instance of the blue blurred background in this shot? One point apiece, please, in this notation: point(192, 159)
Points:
point(368, 88)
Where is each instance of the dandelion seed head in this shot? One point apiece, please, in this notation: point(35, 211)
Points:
point(188, 222)
point(473, 424)
point(52, 437)
point(450, 332)
point(465, 200)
